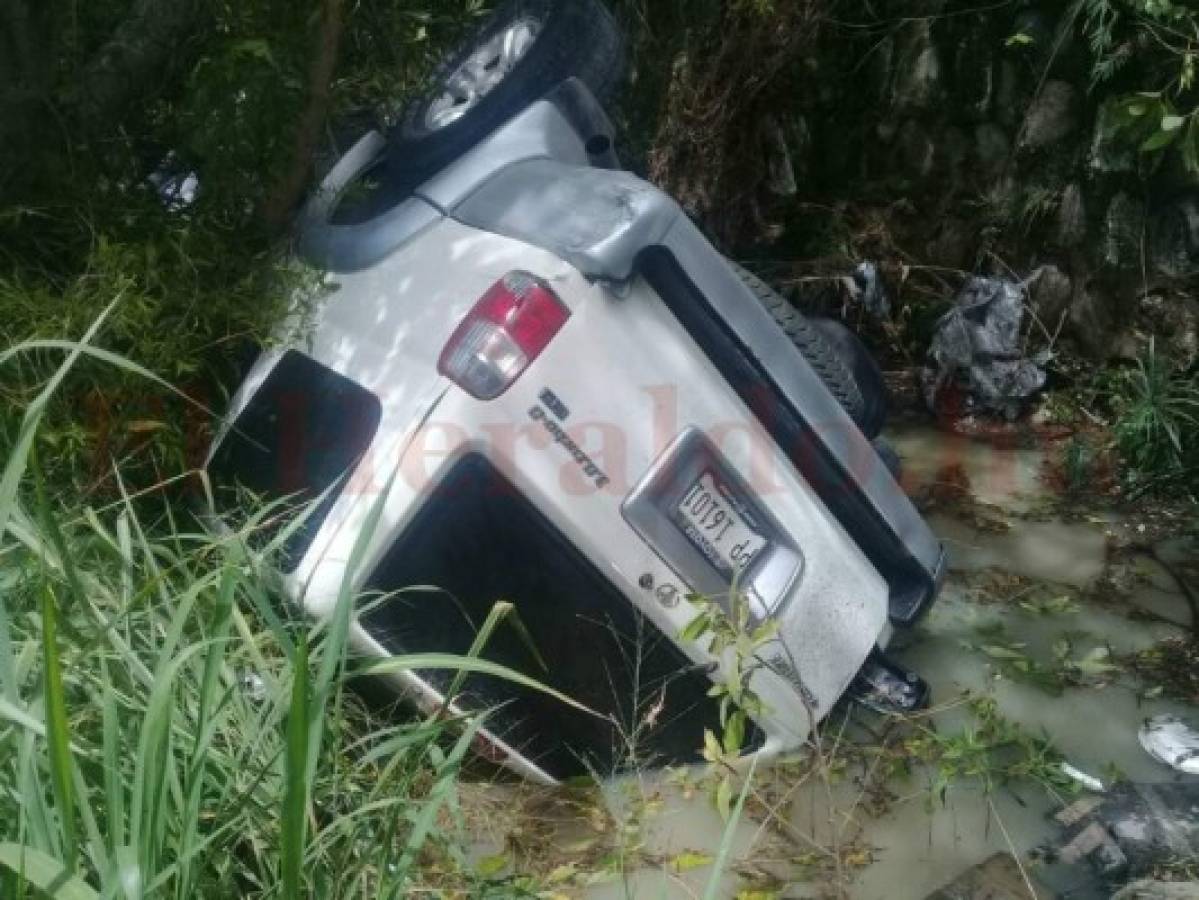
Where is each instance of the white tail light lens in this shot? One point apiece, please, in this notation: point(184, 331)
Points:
point(502, 334)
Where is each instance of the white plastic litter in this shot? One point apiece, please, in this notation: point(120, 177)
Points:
point(253, 686)
point(1170, 740)
point(1090, 782)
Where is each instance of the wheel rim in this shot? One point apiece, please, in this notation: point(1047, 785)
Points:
point(480, 72)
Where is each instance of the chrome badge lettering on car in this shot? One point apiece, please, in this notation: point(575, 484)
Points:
point(783, 667)
point(539, 413)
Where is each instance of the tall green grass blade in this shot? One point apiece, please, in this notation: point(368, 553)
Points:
point(295, 805)
point(57, 735)
point(207, 718)
point(8, 668)
point(334, 647)
point(500, 610)
point(36, 821)
point(50, 527)
point(45, 873)
point(113, 754)
point(151, 776)
point(18, 716)
point(418, 661)
point(439, 795)
point(712, 892)
point(14, 469)
point(83, 347)
point(97, 851)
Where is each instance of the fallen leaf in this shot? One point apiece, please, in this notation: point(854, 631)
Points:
point(689, 859)
point(491, 866)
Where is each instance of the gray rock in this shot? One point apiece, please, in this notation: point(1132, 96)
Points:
point(973, 86)
point(1132, 830)
point(1052, 116)
point(1050, 291)
point(1123, 231)
point(1011, 95)
point(992, 147)
point(917, 150)
point(1158, 890)
point(1070, 229)
point(1090, 322)
point(880, 65)
point(1174, 238)
point(780, 170)
point(953, 148)
point(953, 244)
point(998, 878)
point(1109, 154)
point(916, 81)
point(1173, 316)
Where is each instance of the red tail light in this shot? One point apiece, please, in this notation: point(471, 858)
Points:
point(502, 334)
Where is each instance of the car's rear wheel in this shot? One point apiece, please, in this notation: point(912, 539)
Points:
point(837, 355)
point(523, 50)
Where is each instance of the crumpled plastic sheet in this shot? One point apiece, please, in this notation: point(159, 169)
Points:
point(975, 363)
point(866, 286)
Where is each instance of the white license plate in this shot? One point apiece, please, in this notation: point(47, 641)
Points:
point(710, 521)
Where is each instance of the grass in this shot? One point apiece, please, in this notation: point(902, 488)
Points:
point(1157, 418)
point(133, 761)
point(168, 729)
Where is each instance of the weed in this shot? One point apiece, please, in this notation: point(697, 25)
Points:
point(1064, 668)
point(736, 639)
point(1078, 464)
point(1160, 39)
point(133, 762)
point(1157, 416)
point(993, 753)
point(1170, 668)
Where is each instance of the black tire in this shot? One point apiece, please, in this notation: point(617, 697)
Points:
point(836, 354)
point(576, 38)
point(865, 370)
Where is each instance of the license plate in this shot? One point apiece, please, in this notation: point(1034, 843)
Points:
point(707, 515)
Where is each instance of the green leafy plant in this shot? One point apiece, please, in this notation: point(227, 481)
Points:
point(1157, 416)
point(736, 638)
point(134, 762)
point(1150, 122)
point(1162, 37)
point(993, 752)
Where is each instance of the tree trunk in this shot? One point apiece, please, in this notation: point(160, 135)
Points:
point(283, 197)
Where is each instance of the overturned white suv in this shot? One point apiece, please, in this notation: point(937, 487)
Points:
point(576, 405)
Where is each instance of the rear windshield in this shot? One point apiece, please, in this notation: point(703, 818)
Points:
point(302, 431)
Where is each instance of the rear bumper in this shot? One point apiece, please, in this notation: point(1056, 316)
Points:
point(612, 226)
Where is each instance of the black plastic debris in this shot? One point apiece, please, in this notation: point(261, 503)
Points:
point(1128, 833)
point(976, 362)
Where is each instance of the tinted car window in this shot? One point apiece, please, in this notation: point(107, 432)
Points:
point(299, 435)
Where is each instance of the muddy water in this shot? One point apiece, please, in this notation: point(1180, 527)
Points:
point(1017, 587)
